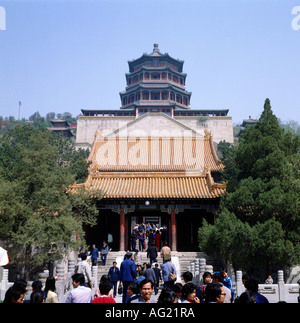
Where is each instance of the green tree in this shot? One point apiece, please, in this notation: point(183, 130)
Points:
point(264, 192)
point(245, 246)
point(35, 210)
point(228, 239)
point(37, 119)
point(269, 245)
point(50, 116)
point(264, 147)
point(68, 117)
point(265, 159)
point(230, 173)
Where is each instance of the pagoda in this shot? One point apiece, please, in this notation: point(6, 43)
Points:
point(155, 83)
point(62, 127)
point(154, 158)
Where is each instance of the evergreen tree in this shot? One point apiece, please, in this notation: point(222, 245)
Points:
point(228, 239)
point(264, 172)
point(263, 158)
point(36, 213)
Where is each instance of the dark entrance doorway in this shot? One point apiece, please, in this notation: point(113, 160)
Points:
point(108, 222)
point(188, 223)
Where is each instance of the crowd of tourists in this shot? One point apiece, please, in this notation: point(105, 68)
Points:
point(148, 234)
point(138, 283)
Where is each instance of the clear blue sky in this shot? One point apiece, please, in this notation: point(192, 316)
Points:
point(64, 55)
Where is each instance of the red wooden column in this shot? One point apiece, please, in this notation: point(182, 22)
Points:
point(173, 231)
point(122, 230)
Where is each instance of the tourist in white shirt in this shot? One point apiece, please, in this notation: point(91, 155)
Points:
point(80, 293)
point(85, 268)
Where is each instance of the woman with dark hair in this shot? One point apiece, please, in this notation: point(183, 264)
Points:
point(102, 279)
point(104, 288)
point(189, 293)
point(167, 296)
point(50, 290)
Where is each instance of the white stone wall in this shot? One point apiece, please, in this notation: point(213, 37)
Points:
point(221, 127)
point(87, 126)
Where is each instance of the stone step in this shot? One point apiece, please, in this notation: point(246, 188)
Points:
point(185, 259)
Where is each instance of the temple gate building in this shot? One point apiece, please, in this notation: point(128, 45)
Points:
point(154, 159)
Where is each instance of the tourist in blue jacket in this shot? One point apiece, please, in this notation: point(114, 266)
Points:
point(95, 254)
point(127, 274)
point(168, 268)
point(114, 276)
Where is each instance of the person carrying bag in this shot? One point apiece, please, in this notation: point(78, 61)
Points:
point(172, 275)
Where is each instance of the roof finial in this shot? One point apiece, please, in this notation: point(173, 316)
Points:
point(155, 49)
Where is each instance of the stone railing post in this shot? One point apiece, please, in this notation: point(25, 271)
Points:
point(281, 286)
point(95, 279)
point(3, 283)
point(197, 271)
point(239, 284)
point(192, 268)
point(209, 268)
point(60, 281)
point(43, 277)
point(202, 265)
point(71, 266)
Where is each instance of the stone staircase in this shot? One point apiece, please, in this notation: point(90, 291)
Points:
point(111, 257)
point(184, 260)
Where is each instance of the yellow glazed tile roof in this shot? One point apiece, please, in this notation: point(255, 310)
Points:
point(162, 168)
point(155, 185)
point(154, 154)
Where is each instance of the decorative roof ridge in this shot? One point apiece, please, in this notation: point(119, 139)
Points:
point(97, 135)
point(209, 136)
point(211, 183)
